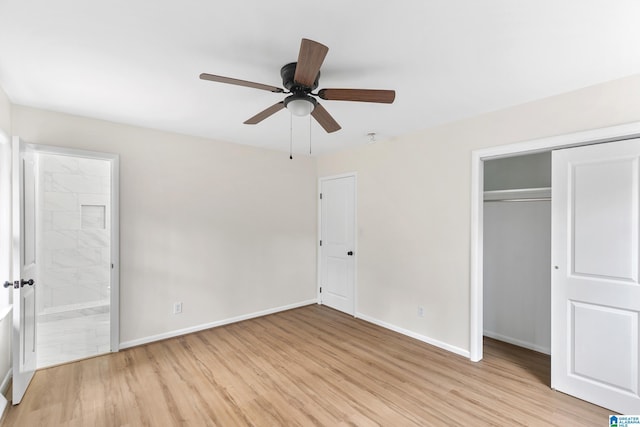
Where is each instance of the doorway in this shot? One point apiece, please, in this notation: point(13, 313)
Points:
point(479, 157)
point(76, 240)
point(517, 250)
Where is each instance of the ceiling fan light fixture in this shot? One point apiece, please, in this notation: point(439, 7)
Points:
point(300, 105)
point(300, 79)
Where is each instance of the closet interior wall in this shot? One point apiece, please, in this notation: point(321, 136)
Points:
point(517, 250)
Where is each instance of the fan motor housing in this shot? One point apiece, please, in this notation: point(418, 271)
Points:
point(288, 72)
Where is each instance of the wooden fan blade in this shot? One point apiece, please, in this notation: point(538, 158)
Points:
point(361, 95)
point(310, 59)
point(323, 117)
point(229, 80)
point(265, 113)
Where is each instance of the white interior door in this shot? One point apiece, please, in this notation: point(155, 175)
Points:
point(337, 250)
point(23, 268)
point(595, 289)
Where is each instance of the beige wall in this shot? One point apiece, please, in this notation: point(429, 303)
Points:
point(228, 230)
point(5, 113)
point(414, 204)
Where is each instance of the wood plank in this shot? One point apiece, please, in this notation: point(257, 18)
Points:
point(308, 366)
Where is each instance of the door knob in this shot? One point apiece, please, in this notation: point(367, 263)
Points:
point(350, 253)
point(7, 284)
point(23, 282)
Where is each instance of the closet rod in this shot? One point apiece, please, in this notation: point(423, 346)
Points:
point(534, 199)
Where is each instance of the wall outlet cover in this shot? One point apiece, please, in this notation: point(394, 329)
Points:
point(177, 307)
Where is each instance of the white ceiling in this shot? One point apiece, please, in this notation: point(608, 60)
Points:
point(138, 61)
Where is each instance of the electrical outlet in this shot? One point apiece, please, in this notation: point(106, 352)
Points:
point(420, 311)
point(177, 307)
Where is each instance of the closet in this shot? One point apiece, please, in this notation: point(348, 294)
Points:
point(517, 250)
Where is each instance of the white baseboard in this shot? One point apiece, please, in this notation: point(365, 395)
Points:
point(176, 333)
point(3, 405)
point(519, 343)
point(417, 336)
point(6, 380)
point(5, 312)
point(4, 386)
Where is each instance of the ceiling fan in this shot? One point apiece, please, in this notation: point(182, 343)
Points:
point(300, 79)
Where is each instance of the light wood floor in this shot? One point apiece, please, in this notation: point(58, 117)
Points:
point(309, 366)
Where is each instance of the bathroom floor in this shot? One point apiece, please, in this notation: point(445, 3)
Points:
point(65, 337)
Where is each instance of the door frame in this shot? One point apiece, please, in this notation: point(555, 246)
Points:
point(114, 161)
point(6, 227)
point(355, 236)
point(595, 136)
point(6, 306)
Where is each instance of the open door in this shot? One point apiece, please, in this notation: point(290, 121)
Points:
point(595, 296)
point(23, 268)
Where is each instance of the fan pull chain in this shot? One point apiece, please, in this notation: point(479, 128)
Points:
point(309, 134)
point(290, 136)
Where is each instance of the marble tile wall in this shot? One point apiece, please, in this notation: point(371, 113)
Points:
point(74, 250)
point(62, 339)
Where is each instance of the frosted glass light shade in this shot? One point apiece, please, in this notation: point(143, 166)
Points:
point(300, 107)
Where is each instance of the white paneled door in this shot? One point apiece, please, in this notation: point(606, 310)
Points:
point(337, 235)
point(23, 268)
point(595, 287)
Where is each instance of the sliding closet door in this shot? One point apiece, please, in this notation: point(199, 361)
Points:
point(595, 287)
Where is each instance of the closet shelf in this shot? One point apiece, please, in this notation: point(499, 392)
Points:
point(518, 195)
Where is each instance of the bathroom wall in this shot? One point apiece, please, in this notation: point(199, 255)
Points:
point(74, 215)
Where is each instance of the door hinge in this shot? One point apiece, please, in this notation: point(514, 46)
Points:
point(320, 289)
point(320, 196)
point(320, 242)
